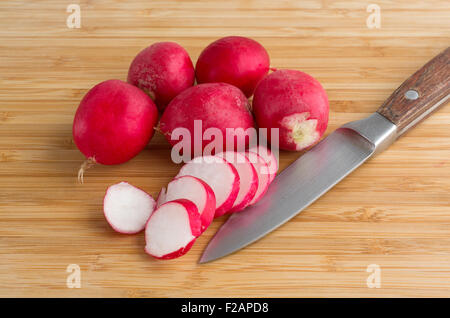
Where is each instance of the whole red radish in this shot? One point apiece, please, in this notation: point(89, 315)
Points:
point(236, 60)
point(127, 208)
point(113, 123)
point(213, 105)
point(172, 229)
point(163, 70)
point(295, 103)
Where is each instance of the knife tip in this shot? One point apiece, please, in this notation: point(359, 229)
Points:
point(205, 259)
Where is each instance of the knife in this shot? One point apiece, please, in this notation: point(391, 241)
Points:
point(336, 156)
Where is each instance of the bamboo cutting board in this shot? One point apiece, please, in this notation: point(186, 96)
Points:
point(391, 215)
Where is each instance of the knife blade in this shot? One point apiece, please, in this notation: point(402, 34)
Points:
point(335, 157)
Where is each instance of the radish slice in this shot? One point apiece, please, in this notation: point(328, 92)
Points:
point(262, 170)
point(270, 159)
point(195, 190)
point(220, 175)
point(248, 178)
point(172, 229)
point(127, 208)
point(161, 198)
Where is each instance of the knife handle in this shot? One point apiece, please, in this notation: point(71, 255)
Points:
point(421, 94)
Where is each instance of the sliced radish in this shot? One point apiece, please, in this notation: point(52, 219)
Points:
point(127, 208)
point(172, 229)
point(161, 198)
point(220, 175)
point(270, 159)
point(195, 190)
point(248, 178)
point(262, 169)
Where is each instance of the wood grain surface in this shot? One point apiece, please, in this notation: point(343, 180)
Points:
point(394, 211)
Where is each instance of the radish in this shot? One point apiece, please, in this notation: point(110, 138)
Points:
point(113, 123)
point(172, 229)
point(236, 60)
point(163, 70)
point(161, 197)
point(195, 190)
point(127, 208)
point(295, 103)
point(217, 106)
point(262, 170)
point(248, 179)
point(270, 159)
point(220, 175)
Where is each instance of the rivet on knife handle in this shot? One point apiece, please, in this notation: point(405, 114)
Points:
point(422, 93)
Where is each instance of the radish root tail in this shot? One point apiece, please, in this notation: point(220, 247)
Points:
point(158, 129)
point(90, 162)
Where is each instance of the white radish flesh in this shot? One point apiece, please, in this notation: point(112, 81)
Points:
point(220, 175)
point(172, 229)
point(195, 190)
point(248, 178)
point(161, 197)
point(263, 174)
point(127, 208)
point(270, 159)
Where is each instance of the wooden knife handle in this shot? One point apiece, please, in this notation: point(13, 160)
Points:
point(420, 94)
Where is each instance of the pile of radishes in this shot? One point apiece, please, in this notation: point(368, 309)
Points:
point(116, 120)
